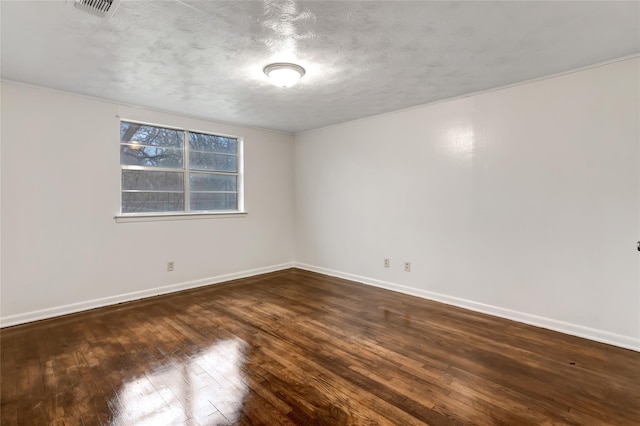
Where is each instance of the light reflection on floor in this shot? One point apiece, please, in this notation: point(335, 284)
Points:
point(208, 388)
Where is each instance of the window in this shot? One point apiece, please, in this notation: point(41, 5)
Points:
point(167, 170)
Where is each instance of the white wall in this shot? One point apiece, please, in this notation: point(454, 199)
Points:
point(61, 248)
point(522, 202)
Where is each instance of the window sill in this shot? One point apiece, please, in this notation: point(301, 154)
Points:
point(155, 217)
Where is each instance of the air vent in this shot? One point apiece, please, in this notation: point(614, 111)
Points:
point(97, 7)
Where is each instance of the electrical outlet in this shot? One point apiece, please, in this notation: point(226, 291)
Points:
point(407, 266)
point(170, 266)
point(386, 262)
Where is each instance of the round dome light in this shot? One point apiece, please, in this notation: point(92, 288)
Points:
point(284, 74)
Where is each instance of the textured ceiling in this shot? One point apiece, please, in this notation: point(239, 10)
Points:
point(205, 58)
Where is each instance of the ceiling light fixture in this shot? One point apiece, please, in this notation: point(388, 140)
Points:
point(284, 74)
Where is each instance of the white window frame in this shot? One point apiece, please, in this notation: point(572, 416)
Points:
point(187, 214)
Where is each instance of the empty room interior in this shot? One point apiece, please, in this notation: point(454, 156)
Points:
point(289, 212)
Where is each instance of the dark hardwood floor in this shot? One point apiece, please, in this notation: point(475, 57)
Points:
point(294, 347)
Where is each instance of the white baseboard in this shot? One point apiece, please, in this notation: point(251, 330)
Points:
point(548, 323)
point(127, 297)
point(602, 336)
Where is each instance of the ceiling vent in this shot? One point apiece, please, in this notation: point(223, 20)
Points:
point(102, 8)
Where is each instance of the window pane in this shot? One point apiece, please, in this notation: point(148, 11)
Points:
point(150, 156)
point(150, 135)
point(211, 182)
point(152, 181)
point(212, 143)
point(213, 162)
point(144, 202)
point(213, 201)
point(153, 167)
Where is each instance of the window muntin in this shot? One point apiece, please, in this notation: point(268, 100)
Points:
point(173, 170)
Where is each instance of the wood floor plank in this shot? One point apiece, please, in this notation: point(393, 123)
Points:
point(295, 347)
